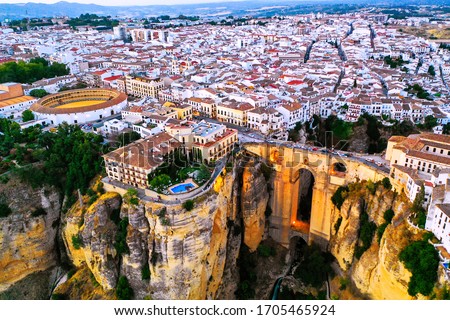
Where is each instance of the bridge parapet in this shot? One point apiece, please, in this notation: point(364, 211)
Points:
point(329, 172)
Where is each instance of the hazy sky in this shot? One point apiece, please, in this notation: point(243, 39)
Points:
point(120, 2)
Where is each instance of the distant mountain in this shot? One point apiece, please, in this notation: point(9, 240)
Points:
point(216, 9)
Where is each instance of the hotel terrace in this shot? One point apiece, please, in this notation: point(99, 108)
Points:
point(207, 141)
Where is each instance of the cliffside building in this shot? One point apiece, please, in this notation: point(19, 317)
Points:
point(131, 164)
point(415, 158)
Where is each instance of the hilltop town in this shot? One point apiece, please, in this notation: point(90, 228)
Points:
point(175, 98)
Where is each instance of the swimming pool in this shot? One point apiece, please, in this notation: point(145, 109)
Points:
point(184, 187)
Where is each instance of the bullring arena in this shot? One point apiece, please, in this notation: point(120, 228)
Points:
point(79, 106)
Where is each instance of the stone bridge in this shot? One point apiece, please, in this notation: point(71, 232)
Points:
point(326, 171)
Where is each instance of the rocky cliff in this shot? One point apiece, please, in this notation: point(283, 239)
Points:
point(184, 251)
point(28, 233)
point(254, 198)
point(168, 252)
point(89, 236)
point(378, 273)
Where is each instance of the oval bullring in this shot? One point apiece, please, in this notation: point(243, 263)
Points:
point(79, 106)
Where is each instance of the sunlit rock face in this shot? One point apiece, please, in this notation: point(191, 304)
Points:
point(378, 274)
point(97, 231)
point(27, 240)
point(172, 253)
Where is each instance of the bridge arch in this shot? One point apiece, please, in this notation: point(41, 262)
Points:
point(302, 195)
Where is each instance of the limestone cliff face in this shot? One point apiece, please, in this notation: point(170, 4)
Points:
point(187, 249)
point(27, 236)
point(378, 274)
point(184, 250)
point(96, 231)
point(254, 198)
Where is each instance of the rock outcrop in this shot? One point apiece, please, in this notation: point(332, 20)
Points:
point(254, 198)
point(28, 233)
point(378, 274)
point(92, 227)
point(168, 252)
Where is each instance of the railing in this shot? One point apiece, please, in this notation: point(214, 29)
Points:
point(152, 196)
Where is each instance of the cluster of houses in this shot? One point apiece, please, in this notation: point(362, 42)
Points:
point(423, 161)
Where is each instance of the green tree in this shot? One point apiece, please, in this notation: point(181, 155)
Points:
point(120, 244)
point(77, 241)
point(27, 115)
point(431, 71)
point(160, 182)
point(446, 129)
point(430, 122)
point(131, 197)
point(386, 182)
point(203, 174)
point(127, 137)
point(28, 72)
point(314, 266)
point(419, 200)
point(71, 157)
point(366, 233)
point(404, 128)
point(388, 215)
point(188, 205)
point(123, 289)
point(5, 210)
point(293, 135)
point(422, 260)
point(339, 196)
point(38, 93)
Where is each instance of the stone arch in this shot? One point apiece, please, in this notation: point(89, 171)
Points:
point(302, 196)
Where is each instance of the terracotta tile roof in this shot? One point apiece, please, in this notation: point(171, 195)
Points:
point(13, 101)
point(145, 153)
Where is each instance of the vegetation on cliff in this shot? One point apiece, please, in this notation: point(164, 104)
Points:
point(422, 259)
point(121, 238)
point(388, 215)
point(123, 289)
point(419, 216)
point(67, 159)
point(5, 210)
point(368, 134)
point(339, 196)
point(314, 266)
point(366, 232)
point(188, 205)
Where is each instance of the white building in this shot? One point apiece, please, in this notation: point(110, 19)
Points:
point(113, 127)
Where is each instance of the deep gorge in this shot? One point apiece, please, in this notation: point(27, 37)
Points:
point(221, 249)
